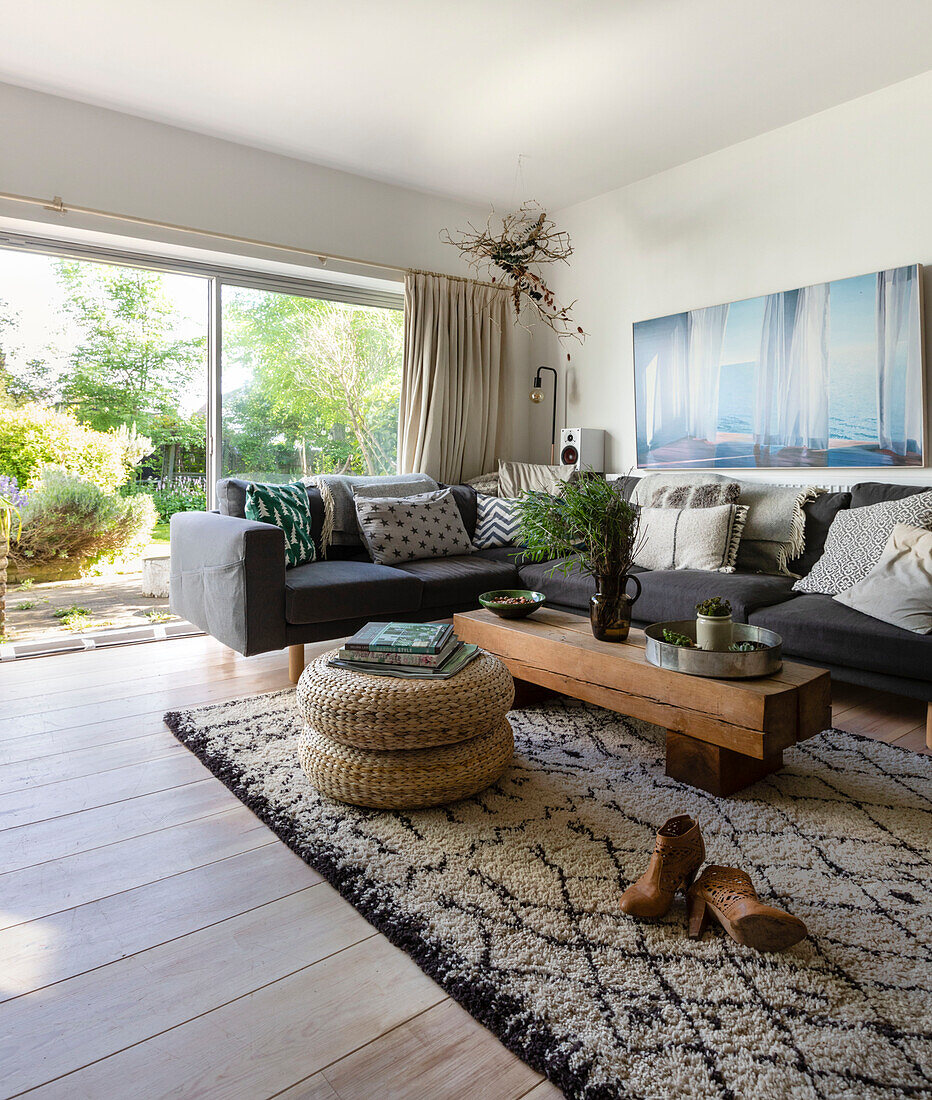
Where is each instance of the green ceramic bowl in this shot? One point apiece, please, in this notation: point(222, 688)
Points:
point(513, 611)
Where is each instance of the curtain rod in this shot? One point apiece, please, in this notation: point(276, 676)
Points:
point(455, 278)
point(59, 207)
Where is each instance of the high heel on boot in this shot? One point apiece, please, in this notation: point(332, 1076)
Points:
point(728, 895)
point(678, 854)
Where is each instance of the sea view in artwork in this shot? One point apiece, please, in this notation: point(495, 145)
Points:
point(828, 375)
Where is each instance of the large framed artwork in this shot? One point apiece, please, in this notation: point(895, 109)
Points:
point(827, 375)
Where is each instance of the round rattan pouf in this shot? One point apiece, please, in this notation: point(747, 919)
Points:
point(381, 712)
point(392, 744)
point(406, 779)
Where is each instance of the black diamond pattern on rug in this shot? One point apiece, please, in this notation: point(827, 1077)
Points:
point(510, 901)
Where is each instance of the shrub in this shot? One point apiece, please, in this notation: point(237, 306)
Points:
point(70, 517)
point(183, 494)
point(33, 437)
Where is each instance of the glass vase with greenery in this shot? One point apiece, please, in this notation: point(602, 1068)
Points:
point(591, 528)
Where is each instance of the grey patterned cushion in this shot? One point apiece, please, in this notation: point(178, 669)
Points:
point(397, 529)
point(856, 541)
point(498, 522)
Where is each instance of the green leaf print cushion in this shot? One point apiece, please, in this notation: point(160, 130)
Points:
point(286, 506)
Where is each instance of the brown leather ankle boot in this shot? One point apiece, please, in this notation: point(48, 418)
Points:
point(678, 855)
point(727, 894)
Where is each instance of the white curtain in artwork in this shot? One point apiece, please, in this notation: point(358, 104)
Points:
point(706, 332)
point(660, 372)
point(803, 410)
point(771, 376)
point(899, 361)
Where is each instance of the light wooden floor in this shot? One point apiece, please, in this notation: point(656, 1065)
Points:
point(156, 939)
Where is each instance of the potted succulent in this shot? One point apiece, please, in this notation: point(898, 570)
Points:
point(590, 528)
point(714, 628)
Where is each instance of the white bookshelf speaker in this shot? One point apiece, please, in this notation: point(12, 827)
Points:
point(583, 448)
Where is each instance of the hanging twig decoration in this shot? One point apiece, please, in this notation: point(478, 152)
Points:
point(513, 247)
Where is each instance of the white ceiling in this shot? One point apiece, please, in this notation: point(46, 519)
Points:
point(443, 95)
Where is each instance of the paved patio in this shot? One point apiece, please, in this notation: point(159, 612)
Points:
point(109, 602)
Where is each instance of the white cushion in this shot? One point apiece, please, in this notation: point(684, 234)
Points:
point(515, 478)
point(898, 590)
point(691, 538)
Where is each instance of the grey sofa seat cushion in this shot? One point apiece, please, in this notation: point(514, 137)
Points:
point(665, 593)
point(509, 555)
point(821, 629)
point(458, 581)
point(324, 591)
point(874, 492)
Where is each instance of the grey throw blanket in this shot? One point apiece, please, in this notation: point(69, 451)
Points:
point(341, 527)
point(775, 530)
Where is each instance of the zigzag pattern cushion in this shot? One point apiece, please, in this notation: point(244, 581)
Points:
point(286, 506)
point(856, 541)
point(497, 521)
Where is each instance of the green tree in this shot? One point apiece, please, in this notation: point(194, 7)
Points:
point(130, 367)
point(325, 378)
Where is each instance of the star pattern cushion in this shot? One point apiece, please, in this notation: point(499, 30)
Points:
point(287, 507)
point(498, 521)
point(856, 541)
point(399, 529)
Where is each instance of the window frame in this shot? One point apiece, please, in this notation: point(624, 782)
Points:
point(217, 276)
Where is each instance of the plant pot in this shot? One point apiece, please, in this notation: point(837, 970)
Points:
point(714, 632)
point(610, 608)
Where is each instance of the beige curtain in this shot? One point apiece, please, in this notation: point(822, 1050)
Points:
point(454, 371)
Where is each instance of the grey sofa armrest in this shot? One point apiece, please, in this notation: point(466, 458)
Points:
point(228, 578)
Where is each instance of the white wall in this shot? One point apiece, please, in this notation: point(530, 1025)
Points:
point(842, 193)
point(108, 161)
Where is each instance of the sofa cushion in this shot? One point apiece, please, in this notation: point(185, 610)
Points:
point(498, 523)
point(665, 593)
point(819, 515)
point(874, 492)
point(898, 590)
point(820, 628)
point(286, 506)
point(231, 501)
point(857, 538)
point(510, 555)
point(465, 497)
point(400, 529)
point(458, 581)
point(325, 591)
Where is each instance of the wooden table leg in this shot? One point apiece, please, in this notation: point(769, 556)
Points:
point(295, 662)
point(528, 694)
point(712, 768)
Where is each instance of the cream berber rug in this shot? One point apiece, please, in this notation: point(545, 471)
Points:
point(510, 902)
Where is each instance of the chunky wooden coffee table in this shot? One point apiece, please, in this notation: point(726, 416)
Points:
point(722, 735)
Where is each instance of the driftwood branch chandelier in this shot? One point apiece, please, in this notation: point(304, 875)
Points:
point(511, 250)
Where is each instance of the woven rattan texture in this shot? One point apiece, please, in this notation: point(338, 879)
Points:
point(380, 712)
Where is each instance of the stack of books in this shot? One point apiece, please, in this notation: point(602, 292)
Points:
point(413, 651)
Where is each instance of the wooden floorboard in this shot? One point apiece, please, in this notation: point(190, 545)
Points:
point(157, 939)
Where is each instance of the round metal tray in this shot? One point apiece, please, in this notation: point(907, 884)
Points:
point(713, 663)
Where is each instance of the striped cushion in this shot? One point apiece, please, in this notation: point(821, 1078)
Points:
point(497, 521)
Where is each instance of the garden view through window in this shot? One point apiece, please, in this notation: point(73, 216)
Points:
point(104, 373)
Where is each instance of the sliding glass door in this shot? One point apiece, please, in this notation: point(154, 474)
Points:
point(129, 383)
point(308, 385)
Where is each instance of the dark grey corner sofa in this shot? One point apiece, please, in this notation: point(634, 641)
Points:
point(228, 577)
